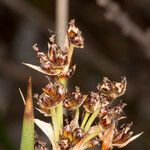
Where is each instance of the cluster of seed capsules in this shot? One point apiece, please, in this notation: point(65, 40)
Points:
point(56, 62)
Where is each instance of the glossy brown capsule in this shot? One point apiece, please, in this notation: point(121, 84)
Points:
point(52, 95)
point(92, 102)
point(74, 99)
point(74, 35)
point(111, 90)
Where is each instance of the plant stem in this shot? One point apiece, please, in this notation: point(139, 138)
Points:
point(81, 145)
point(55, 124)
point(91, 119)
point(86, 116)
point(90, 136)
point(77, 114)
point(58, 113)
point(59, 108)
point(63, 80)
point(60, 116)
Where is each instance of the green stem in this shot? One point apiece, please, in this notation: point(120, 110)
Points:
point(91, 119)
point(86, 116)
point(81, 145)
point(60, 116)
point(90, 136)
point(59, 109)
point(77, 113)
point(55, 124)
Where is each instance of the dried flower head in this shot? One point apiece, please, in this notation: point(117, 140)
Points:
point(54, 61)
point(74, 35)
point(92, 102)
point(74, 99)
point(101, 119)
point(51, 95)
point(111, 90)
point(65, 144)
point(114, 137)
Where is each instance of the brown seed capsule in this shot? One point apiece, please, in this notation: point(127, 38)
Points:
point(115, 113)
point(74, 35)
point(78, 134)
point(43, 59)
point(64, 144)
point(67, 132)
point(52, 94)
point(56, 56)
point(74, 99)
point(54, 61)
point(92, 102)
point(111, 90)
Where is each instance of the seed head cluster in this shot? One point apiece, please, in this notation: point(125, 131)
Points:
point(95, 119)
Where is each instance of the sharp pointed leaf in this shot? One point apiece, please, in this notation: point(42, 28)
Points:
point(27, 139)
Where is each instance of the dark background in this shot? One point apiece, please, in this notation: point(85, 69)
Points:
point(117, 43)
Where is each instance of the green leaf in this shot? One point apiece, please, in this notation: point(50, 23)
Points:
point(27, 139)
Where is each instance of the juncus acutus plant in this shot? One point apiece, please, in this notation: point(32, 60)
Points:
point(95, 120)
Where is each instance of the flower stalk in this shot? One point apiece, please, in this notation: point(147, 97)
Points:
point(55, 124)
point(91, 119)
point(86, 116)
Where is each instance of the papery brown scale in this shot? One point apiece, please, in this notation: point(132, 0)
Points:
point(111, 90)
point(74, 35)
point(122, 135)
point(115, 113)
point(52, 94)
point(46, 101)
point(67, 132)
point(44, 61)
point(74, 99)
point(64, 144)
point(92, 102)
point(56, 56)
point(69, 73)
point(93, 142)
point(78, 134)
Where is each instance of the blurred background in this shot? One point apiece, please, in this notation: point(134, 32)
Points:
point(117, 43)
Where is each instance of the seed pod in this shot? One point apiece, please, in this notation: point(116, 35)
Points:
point(54, 61)
point(115, 113)
point(78, 134)
point(52, 95)
point(74, 99)
point(56, 56)
point(111, 90)
point(67, 132)
point(64, 144)
point(92, 102)
point(74, 35)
